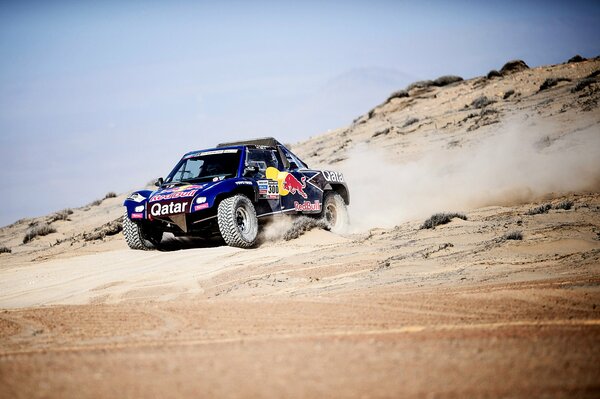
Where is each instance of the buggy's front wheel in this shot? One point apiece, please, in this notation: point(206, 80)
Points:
point(237, 220)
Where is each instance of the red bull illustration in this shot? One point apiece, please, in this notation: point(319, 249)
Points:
point(288, 183)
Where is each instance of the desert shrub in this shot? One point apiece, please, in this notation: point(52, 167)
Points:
point(481, 102)
point(508, 93)
point(551, 82)
point(576, 58)
point(410, 121)
point(60, 215)
point(566, 205)
point(108, 229)
point(538, 210)
point(112, 194)
point(421, 84)
point(446, 80)
point(582, 84)
point(513, 66)
point(513, 235)
point(381, 132)
point(594, 74)
point(441, 218)
point(493, 74)
point(95, 203)
point(5, 250)
point(397, 94)
point(38, 230)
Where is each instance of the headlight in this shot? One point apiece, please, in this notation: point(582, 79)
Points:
point(136, 197)
point(200, 200)
point(139, 208)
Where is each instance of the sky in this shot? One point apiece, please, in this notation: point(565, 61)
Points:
point(106, 96)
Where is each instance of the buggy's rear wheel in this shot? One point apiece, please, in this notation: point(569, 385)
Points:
point(237, 220)
point(334, 212)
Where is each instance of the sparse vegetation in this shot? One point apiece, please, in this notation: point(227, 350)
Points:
point(60, 215)
point(582, 84)
point(441, 218)
point(396, 94)
point(446, 80)
point(481, 102)
point(381, 132)
point(513, 235)
point(107, 229)
point(594, 74)
point(565, 205)
point(5, 250)
point(38, 230)
point(576, 58)
point(538, 210)
point(110, 194)
point(513, 66)
point(507, 94)
point(421, 84)
point(95, 203)
point(493, 74)
point(551, 82)
point(410, 121)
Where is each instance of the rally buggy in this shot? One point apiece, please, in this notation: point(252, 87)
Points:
point(229, 190)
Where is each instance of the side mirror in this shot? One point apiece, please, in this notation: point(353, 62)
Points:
point(250, 170)
point(159, 182)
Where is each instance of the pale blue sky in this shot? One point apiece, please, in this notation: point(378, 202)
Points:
point(104, 96)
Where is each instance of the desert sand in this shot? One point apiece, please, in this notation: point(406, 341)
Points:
point(388, 309)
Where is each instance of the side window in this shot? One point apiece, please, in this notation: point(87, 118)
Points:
point(262, 159)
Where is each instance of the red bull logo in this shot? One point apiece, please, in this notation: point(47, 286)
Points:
point(288, 183)
point(294, 186)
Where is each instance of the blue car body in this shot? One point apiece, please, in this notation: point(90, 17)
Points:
point(281, 185)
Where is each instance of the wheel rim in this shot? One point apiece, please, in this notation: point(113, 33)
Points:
point(331, 214)
point(242, 220)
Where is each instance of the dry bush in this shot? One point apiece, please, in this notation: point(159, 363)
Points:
point(446, 80)
point(493, 74)
point(576, 58)
point(481, 102)
point(421, 84)
point(60, 215)
point(95, 203)
point(583, 83)
point(108, 229)
point(551, 82)
point(441, 218)
point(38, 230)
point(410, 121)
point(538, 210)
point(110, 194)
point(5, 250)
point(507, 94)
point(513, 66)
point(513, 235)
point(566, 205)
point(396, 94)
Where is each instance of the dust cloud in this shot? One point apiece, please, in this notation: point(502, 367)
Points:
point(522, 161)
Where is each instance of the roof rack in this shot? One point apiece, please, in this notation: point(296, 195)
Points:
point(266, 141)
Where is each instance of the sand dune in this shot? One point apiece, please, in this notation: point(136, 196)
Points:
point(387, 310)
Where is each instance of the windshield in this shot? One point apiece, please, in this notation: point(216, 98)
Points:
point(206, 166)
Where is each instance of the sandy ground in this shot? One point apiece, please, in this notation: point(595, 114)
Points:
point(455, 311)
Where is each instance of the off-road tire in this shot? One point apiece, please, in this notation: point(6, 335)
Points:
point(335, 212)
point(237, 221)
point(134, 235)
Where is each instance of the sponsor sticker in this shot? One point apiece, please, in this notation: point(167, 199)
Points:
point(308, 206)
point(333, 177)
point(268, 189)
point(243, 182)
point(170, 208)
point(201, 206)
point(177, 192)
point(137, 215)
point(214, 152)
